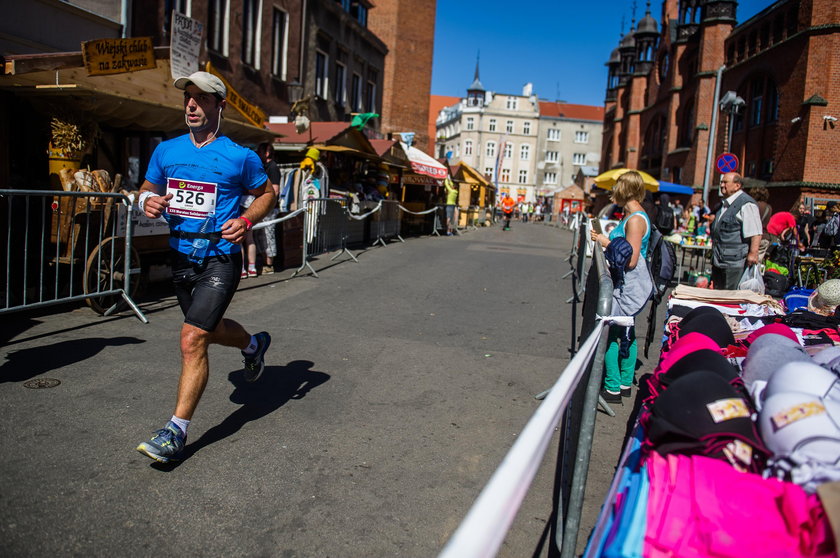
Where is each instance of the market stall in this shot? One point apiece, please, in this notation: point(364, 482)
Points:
point(423, 188)
point(736, 447)
point(476, 196)
point(568, 201)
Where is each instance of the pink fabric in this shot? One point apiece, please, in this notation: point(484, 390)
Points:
point(684, 345)
point(702, 507)
point(781, 221)
point(778, 329)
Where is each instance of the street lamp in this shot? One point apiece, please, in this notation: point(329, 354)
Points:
point(731, 104)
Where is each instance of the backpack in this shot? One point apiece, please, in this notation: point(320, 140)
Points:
point(775, 284)
point(664, 219)
point(662, 263)
point(832, 227)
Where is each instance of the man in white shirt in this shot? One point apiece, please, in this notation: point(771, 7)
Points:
point(736, 233)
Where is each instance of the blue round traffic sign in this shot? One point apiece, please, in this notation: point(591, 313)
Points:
point(727, 162)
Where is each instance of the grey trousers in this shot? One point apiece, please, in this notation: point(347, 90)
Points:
point(727, 278)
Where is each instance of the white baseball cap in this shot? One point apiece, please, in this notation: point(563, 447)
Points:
point(205, 81)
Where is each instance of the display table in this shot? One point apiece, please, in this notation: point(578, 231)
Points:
point(699, 258)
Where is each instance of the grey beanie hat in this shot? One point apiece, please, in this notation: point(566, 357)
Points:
point(767, 353)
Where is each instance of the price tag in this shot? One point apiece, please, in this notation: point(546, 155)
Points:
point(191, 199)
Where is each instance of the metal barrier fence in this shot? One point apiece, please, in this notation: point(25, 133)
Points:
point(574, 397)
point(385, 223)
point(68, 246)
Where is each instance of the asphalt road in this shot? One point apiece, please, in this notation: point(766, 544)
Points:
point(393, 389)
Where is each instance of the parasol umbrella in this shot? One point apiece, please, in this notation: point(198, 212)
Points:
point(606, 180)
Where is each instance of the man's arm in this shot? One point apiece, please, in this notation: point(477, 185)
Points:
point(752, 229)
point(152, 205)
point(752, 255)
point(234, 230)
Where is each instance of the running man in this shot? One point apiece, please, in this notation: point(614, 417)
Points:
point(508, 205)
point(195, 181)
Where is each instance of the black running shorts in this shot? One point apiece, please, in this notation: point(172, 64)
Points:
point(205, 291)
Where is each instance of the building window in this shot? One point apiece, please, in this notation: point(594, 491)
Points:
point(550, 178)
point(278, 43)
point(772, 103)
point(512, 103)
point(526, 128)
point(581, 137)
point(757, 101)
point(251, 24)
point(180, 6)
point(340, 83)
point(579, 159)
point(356, 93)
point(321, 81)
point(553, 134)
point(509, 126)
point(552, 156)
point(490, 150)
point(523, 177)
point(488, 172)
point(492, 125)
point(505, 175)
point(468, 147)
point(470, 123)
point(524, 152)
point(686, 131)
point(217, 26)
point(508, 150)
point(370, 92)
point(359, 13)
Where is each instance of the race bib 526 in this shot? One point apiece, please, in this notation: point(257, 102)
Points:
point(191, 199)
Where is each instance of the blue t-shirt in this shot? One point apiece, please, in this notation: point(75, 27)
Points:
point(210, 179)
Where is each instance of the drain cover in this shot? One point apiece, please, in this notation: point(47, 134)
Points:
point(41, 383)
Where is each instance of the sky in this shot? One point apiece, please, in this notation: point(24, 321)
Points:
point(560, 46)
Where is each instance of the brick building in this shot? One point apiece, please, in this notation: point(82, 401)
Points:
point(276, 53)
point(780, 64)
point(408, 30)
point(255, 45)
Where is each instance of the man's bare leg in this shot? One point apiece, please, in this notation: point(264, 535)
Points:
point(195, 367)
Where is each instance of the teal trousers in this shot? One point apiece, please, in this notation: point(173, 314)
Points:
point(619, 372)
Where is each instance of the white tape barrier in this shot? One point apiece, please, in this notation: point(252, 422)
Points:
point(419, 212)
point(264, 224)
point(486, 524)
point(364, 216)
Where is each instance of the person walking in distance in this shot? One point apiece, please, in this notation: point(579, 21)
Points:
point(508, 205)
point(736, 233)
point(195, 182)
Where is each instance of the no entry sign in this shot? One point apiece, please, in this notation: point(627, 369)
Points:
point(727, 162)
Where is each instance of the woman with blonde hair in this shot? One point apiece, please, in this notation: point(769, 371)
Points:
point(633, 284)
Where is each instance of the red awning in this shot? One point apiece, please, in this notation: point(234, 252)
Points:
point(424, 164)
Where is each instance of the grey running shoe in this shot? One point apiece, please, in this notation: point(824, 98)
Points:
point(166, 444)
point(255, 363)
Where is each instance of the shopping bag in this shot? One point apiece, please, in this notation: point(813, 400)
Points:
point(751, 280)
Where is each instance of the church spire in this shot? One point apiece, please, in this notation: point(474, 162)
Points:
point(476, 84)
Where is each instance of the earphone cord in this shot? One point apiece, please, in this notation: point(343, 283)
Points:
point(211, 138)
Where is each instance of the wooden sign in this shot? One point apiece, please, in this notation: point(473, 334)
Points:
point(117, 56)
point(252, 113)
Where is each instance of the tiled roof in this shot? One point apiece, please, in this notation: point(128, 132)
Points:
point(568, 110)
point(321, 132)
point(381, 146)
point(436, 103)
